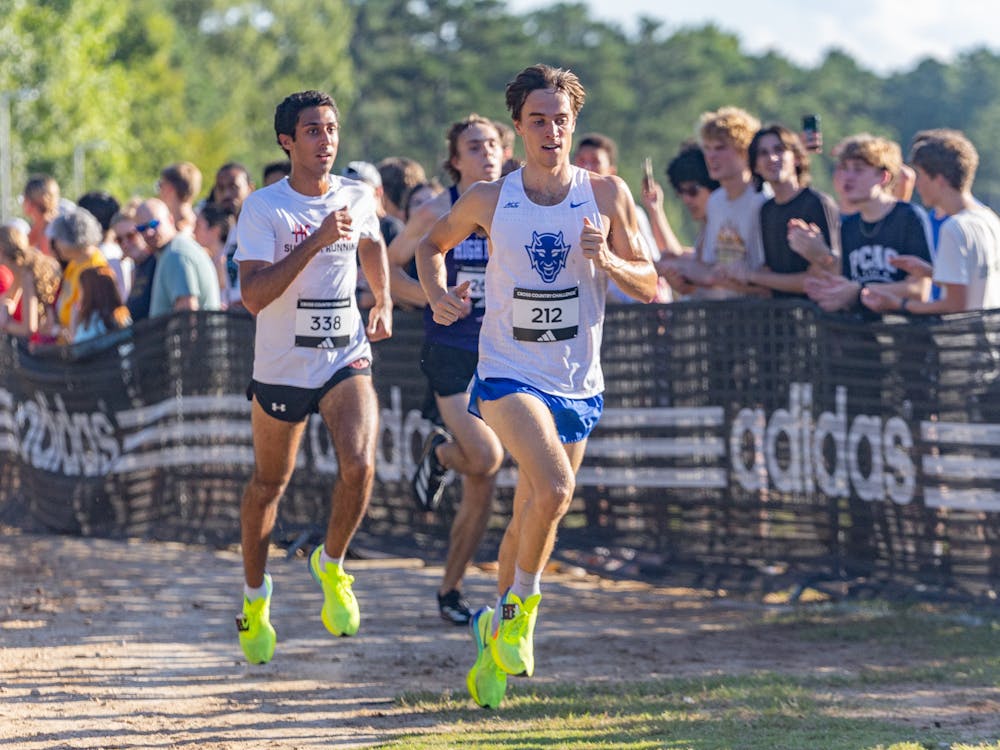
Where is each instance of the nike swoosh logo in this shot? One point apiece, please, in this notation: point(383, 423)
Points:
point(577, 205)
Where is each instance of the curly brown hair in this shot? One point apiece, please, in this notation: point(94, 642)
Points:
point(45, 273)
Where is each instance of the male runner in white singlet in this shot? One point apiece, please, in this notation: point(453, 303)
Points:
point(299, 243)
point(557, 234)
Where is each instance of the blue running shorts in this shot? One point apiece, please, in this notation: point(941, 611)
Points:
point(575, 418)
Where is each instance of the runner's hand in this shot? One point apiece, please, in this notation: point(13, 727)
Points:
point(452, 305)
point(336, 226)
point(594, 245)
point(379, 325)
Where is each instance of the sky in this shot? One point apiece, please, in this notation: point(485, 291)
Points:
point(882, 35)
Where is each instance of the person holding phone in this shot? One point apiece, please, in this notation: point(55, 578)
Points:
point(777, 157)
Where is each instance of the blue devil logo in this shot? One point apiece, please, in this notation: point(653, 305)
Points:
point(548, 253)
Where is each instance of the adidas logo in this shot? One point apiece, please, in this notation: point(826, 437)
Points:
point(547, 336)
point(327, 343)
point(511, 204)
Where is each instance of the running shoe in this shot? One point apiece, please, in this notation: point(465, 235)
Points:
point(512, 643)
point(454, 608)
point(257, 637)
point(428, 480)
point(340, 613)
point(487, 683)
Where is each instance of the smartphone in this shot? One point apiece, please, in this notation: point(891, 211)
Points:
point(811, 132)
point(647, 173)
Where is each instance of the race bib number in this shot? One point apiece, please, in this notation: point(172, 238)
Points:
point(324, 323)
point(476, 276)
point(541, 315)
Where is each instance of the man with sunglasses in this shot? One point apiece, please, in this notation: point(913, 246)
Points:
point(143, 261)
point(184, 278)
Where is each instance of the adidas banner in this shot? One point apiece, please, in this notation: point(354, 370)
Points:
point(745, 438)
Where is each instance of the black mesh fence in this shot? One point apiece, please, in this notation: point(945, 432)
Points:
point(741, 441)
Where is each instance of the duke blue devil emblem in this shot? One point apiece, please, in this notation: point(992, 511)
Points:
point(548, 253)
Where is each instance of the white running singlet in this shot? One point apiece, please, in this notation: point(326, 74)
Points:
point(544, 300)
point(314, 328)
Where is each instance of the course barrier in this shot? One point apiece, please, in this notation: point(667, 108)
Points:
point(741, 437)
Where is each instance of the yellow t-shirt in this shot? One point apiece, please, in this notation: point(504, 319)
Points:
point(69, 293)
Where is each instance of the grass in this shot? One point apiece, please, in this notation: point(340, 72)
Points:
point(771, 710)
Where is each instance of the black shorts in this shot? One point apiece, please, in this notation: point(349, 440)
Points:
point(449, 370)
point(292, 404)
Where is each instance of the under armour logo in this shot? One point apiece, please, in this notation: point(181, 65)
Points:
point(511, 204)
point(278, 407)
point(508, 611)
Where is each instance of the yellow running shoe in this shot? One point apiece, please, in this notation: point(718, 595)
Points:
point(257, 637)
point(512, 642)
point(487, 683)
point(340, 613)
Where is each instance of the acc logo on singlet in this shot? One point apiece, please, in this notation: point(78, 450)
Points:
point(548, 253)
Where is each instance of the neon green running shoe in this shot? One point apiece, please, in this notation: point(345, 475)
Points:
point(257, 637)
point(512, 643)
point(487, 683)
point(340, 614)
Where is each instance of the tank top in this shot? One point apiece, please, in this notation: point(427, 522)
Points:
point(466, 262)
point(545, 317)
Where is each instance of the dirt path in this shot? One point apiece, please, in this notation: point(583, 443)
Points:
point(128, 645)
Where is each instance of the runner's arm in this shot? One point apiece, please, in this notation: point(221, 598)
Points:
point(472, 212)
point(375, 265)
point(261, 282)
point(619, 252)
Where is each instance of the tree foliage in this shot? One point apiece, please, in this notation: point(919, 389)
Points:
point(138, 85)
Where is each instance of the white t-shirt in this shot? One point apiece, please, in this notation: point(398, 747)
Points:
point(968, 253)
point(732, 232)
point(314, 328)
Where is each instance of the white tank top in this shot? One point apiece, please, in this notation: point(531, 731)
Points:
point(545, 301)
point(313, 328)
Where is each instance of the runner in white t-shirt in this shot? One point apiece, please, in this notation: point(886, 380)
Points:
point(557, 235)
point(299, 242)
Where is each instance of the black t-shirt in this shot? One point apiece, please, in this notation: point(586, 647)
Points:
point(141, 293)
point(810, 206)
point(867, 247)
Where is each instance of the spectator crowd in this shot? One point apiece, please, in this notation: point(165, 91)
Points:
point(70, 271)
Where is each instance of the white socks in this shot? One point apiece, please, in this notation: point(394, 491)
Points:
point(325, 558)
point(526, 584)
point(257, 593)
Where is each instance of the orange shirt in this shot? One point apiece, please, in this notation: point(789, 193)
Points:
point(69, 294)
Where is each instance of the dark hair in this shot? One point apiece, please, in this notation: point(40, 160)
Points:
point(791, 142)
point(99, 294)
point(215, 215)
point(601, 142)
point(286, 115)
point(689, 166)
point(543, 76)
point(102, 205)
point(454, 133)
point(282, 166)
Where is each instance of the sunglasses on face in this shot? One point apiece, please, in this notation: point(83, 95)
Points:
point(689, 191)
point(143, 228)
